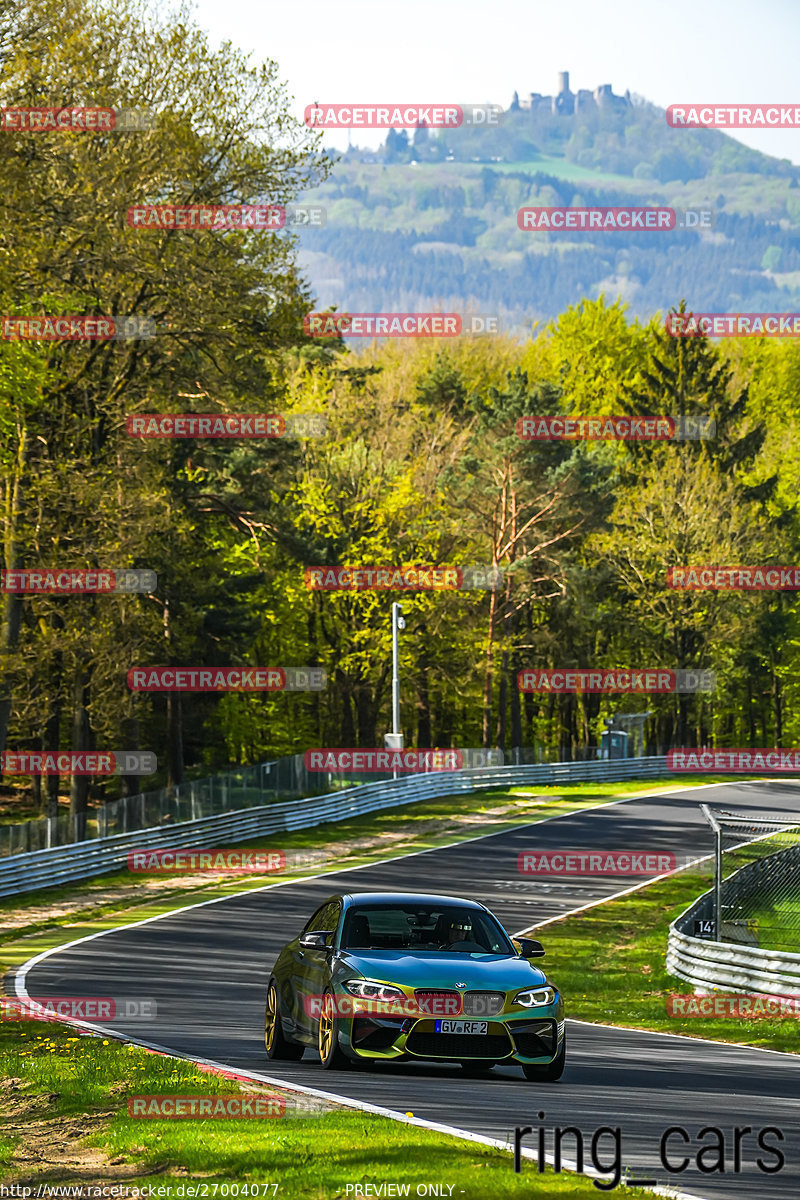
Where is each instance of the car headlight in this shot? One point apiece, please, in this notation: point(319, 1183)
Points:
point(369, 989)
point(535, 997)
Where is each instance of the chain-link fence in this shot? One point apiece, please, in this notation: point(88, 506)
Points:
point(284, 779)
point(247, 787)
point(757, 880)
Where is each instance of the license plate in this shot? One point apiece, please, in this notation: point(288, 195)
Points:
point(477, 1027)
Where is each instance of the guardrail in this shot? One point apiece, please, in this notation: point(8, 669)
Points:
point(733, 964)
point(730, 965)
point(229, 791)
point(21, 873)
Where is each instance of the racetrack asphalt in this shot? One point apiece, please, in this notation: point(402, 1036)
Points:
point(207, 966)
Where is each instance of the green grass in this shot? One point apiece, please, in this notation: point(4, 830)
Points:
point(308, 1156)
point(777, 925)
point(610, 964)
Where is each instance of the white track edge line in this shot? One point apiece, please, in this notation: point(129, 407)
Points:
point(366, 1106)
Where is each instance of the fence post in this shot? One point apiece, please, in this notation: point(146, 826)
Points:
point(715, 825)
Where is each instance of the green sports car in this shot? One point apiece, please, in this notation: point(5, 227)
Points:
point(398, 975)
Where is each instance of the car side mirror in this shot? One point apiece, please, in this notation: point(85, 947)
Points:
point(529, 948)
point(316, 941)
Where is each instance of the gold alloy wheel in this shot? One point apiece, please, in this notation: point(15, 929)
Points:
point(271, 1017)
point(326, 1027)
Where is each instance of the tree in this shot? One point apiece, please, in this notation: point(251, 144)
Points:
point(224, 304)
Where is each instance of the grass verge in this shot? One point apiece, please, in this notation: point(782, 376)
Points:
point(62, 1085)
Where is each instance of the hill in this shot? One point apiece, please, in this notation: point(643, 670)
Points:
point(430, 220)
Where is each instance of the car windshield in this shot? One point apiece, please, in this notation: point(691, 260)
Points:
point(409, 927)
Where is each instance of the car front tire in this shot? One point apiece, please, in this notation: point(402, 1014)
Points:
point(550, 1072)
point(278, 1046)
point(331, 1054)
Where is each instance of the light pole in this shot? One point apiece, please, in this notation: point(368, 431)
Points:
point(394, 740)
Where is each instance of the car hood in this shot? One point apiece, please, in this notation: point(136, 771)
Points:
point(480, 972)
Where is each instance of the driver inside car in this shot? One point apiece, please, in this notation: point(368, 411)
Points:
point(457, 934)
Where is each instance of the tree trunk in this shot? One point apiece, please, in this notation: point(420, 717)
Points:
point(130, 784)
point(365, 714)
point(12, 605)
point(502, 701)
point(347, 727)
point(516, 707)
point(81, 741)
point(487, 679)
point(35, 744)
point(423, 709)
point(52, 729)
point(777, 708)
point(751, 716)
point(175, 772)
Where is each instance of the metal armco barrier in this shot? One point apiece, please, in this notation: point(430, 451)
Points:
point(733, 967)
point(63, 864)
point(732, 964)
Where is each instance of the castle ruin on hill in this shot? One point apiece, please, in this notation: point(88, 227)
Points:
point(566, 103)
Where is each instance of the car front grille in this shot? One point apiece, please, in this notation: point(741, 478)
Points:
point(458, 1045)
point(438, 1003)
point(444, 1003)
point(483, 1004)
point(535, 1039)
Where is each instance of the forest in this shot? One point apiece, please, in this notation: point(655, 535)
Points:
point(415, 461)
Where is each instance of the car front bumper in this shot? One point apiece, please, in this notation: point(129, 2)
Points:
point(528, 1037)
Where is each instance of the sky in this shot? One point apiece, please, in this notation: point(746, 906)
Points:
point(468, 51)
